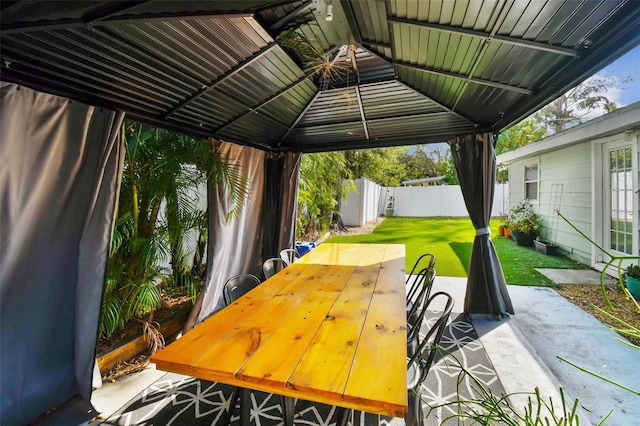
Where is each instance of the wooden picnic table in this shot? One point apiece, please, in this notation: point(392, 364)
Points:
point(329, 328)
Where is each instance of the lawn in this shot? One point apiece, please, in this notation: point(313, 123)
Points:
point(451, 240)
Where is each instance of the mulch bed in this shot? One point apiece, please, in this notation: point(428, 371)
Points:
point(170, 307)
point(586, 296)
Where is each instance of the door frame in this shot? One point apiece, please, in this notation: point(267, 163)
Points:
point(600, 190)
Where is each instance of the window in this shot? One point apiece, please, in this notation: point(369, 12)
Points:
point(531, 182)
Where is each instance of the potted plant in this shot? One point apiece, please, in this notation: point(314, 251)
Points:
point(545, 247)
point(502, 227)
point(632, 280)
point(389, 210)
point(524, 223)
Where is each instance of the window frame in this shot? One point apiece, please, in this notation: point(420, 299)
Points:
point(526, 182)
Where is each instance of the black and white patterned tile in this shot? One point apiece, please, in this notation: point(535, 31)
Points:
point(182, 400)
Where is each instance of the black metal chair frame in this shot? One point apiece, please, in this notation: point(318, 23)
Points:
point(270, 266)
point(431, 264)
point(417, 308)
point(423, 358)
point(238, 281)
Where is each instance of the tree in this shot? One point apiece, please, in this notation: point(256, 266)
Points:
point(575, 106)
point(319, 191)
point(420, 162)
point(521, 134)
point(380, 165)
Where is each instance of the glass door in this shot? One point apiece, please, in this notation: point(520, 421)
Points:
point(621, 196)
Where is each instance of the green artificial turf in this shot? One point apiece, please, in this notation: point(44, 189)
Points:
point(451, 240)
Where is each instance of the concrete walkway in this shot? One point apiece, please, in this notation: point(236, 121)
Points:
point(525, 351)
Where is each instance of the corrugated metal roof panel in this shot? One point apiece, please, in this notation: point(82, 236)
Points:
point(421, 128)
point(189, 67)
point(394, 99)
point(290, 105)
point(332, 106)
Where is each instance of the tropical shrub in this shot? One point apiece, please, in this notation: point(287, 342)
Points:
point(158, 220)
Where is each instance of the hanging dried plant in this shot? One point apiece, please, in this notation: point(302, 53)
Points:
point(317, 62)
point(346, 97)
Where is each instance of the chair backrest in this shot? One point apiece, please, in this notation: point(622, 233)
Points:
point(427, 349)
point(419, 304)
point(238, 285)
point(272, 266)
point(289, 256)
point(425, 278)
point(429, 258)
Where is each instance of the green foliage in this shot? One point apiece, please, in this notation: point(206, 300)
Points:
point(162, 172)
point(525, 132)
point(489, 409)
point(380, 165)
point(319, 191)
point(421, 162)
point(633, 271)
point(447, 168)
point(522, 218)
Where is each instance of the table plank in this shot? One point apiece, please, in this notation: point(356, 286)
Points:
point(194, 344)
point(386, 323)
point(280, 355)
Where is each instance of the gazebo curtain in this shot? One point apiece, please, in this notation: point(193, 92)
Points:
point(280, 202)
point(475, 161)
point(59, 178)
point(265, 225)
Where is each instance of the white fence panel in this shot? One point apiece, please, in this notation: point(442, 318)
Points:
point(363, 204)
point(413, 201)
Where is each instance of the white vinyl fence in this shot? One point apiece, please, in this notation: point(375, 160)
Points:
point(369, 201)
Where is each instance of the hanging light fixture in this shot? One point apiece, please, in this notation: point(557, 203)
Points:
point(329, 15)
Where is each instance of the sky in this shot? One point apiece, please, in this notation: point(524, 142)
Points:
point(626, 66)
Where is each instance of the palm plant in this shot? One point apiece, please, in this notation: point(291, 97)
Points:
point(159, 219)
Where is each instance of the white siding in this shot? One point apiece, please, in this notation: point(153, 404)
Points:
point(571, 168)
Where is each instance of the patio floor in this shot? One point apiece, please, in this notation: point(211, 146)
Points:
point(524, 351)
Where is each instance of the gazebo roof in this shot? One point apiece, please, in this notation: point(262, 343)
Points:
point(403, 71)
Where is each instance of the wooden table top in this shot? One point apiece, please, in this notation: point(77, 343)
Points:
point(329, 328)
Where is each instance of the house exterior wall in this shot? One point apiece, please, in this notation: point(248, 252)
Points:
point(568, 172)
point(577, 161)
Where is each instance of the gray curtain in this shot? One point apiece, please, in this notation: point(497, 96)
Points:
point(266, 225)
point(59, 179)
point(487, 294)
point(280, 202)
point(234, 246)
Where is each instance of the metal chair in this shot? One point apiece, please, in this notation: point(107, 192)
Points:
point(420, 362)
point(431, 259)
point(418, 307)
point(238, 285)
point(289, 256)
point(415, 294)
point(272, 266)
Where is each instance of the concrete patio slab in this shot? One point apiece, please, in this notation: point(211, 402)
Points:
point(574, 276)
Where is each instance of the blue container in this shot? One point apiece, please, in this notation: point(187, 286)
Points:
point(305, 247)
